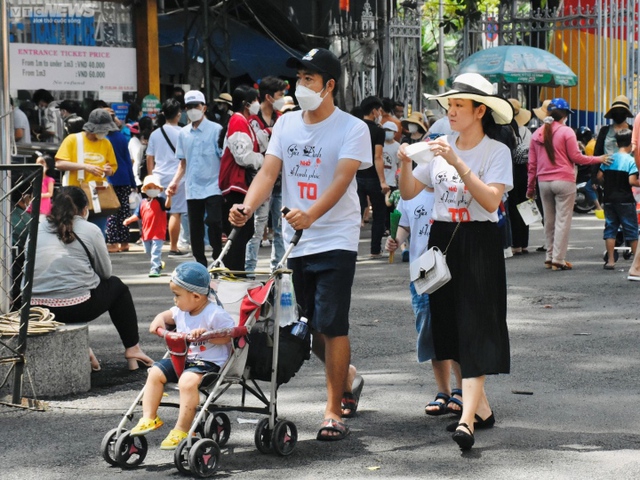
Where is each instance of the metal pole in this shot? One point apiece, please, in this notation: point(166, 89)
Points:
point(441, 79)
point(207, 65)
point(5, 155)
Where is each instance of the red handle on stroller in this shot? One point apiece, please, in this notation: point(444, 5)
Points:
point(178, 342)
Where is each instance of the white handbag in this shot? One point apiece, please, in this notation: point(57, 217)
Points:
point(429, 271)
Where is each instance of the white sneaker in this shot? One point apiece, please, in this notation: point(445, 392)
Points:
point(265, 243)
point(184, 246)
point(508, 253)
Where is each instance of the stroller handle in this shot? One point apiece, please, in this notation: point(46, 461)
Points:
point(296, 236)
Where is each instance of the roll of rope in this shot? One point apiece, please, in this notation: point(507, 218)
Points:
point(41, 321)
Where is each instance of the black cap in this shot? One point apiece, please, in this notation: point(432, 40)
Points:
point(318, 60)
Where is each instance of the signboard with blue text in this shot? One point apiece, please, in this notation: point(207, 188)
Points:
point(83, 46)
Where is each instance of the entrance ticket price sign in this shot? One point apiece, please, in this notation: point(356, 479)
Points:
point(59, 67)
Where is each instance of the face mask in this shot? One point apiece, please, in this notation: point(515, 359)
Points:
point(101, 136)
point(278, 104)
point(195, 114)
point(152, 192)
point(379, 119)
point(388, 135)
point(619, 117)
point(413, 128)
point(85, 215)
point(307, 98)
point(254, 108)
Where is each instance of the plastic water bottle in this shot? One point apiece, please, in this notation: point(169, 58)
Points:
point(288, 307)
point(300, 329)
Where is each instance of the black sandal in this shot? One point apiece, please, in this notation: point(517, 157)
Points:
point(455, 401)
point(464, 440)
point(442, 406)
point(478, 424)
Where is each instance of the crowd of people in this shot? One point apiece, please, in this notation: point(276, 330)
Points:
point(206, 167)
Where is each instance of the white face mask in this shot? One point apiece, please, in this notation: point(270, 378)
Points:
point(278, 104)
point(195, 114)
point(389, 135)
point(413, 128)
point(254, 108)
point(100, 136)
point(152, 192)
point(85, 214)
point(308, 99)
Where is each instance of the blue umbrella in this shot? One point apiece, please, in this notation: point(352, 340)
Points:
point(519, 64)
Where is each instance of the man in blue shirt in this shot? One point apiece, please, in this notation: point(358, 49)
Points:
point(199, 155)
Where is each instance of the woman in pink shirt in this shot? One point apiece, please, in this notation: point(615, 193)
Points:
point(553, 154)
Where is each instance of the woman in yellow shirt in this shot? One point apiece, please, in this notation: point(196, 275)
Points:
point(99, 160)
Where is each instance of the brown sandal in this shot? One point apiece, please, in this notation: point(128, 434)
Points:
point(561, 266)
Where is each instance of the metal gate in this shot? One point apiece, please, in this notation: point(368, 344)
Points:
point(597, 41)
point(402, 66)
point(21, 186)
point(355, 44)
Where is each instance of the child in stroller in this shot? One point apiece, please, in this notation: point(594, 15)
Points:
point(194, 314)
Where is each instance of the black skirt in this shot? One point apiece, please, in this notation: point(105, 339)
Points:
point(469, 313)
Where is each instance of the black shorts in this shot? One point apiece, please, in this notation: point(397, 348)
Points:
point(322, 285)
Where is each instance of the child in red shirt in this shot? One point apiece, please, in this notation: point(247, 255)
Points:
point(153, 213)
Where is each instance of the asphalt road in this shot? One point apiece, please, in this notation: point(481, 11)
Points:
point(574, 345)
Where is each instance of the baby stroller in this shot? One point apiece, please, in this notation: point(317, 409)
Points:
point(261, 351)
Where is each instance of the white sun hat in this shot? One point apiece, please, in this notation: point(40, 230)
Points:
point(474, 86)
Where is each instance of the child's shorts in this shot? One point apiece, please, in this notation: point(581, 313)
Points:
point(621, 214)
point(196, 366)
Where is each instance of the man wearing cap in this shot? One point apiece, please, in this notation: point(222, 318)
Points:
point(199, 155)
point(318, 151)
point(98, 160)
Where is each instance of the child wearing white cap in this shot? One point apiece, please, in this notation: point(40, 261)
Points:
point(153, 213)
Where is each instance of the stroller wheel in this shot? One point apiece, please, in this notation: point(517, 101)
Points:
point(130, 451)
point(218, 428)
point(181, 457)
point(263, 436)
point(204, 457)
point(284, 438)
point(605, 256)
point(108, 447)
point(626, 254)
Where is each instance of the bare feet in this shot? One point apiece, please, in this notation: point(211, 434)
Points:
point(95, 364)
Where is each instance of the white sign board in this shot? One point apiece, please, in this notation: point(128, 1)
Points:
point(59, 67)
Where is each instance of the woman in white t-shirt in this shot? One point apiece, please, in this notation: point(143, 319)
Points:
point(162, 161)
point(469, 175)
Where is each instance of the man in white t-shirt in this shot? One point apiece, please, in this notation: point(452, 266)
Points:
point(21, 128)
point(318, 150)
